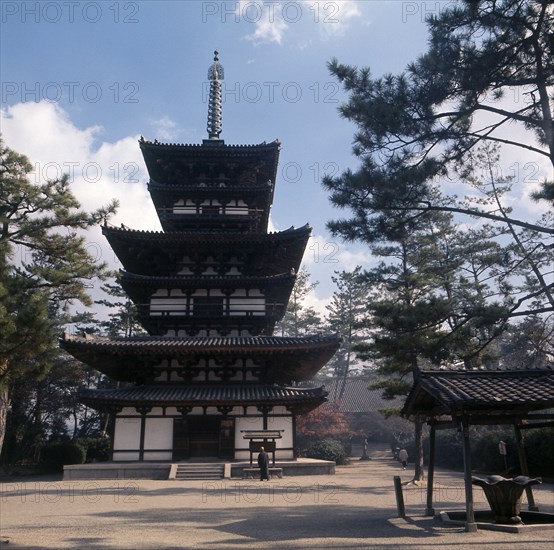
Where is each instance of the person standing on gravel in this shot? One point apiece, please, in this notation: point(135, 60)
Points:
point(263, 464)
point(403, 457)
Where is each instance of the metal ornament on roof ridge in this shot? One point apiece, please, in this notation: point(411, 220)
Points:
point(215, 76)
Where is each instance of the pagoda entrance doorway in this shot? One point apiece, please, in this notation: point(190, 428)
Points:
point(203, 436)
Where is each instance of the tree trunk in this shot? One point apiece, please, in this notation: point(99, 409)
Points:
point(419, 474)
point(4, 401)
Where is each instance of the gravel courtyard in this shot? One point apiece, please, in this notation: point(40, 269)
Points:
point(356, 508)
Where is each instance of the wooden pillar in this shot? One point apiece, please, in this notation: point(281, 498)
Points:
point(429, 510)
point(294, 450)
point(143, 412)
point(110, 423)
point(524, 468)
point(470, 515)
point(264, 409)
point(142, 432)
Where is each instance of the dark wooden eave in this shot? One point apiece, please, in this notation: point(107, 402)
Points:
point(160, 191)
point(146, 397)
point(282, 359)
point(170, 164)
point(158, 253)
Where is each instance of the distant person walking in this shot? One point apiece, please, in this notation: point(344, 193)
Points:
point(403, 457)
point(263, 464)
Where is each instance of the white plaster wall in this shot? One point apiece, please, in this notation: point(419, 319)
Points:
point(282, 423)
point(273, 423)
point(127, 436)
point(165, 300)
point(126, 411)
point(151, 455)
point(248, 423)
point(182, 207)
point(158, 433)
point(209, 410)
point(118, 457)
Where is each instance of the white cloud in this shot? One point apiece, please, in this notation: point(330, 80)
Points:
point(267, 18)
point(333, 17)
point(166, 129)
point(332, 254)
point(350, 259)
point(98, 172)
point(318, 303)
point(101, 171)
point(272, 21)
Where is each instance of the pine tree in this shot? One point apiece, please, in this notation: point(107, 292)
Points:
point(44, 266)
point(123, 314)
point(300, 319)
point(424, 128)
point(345, 315)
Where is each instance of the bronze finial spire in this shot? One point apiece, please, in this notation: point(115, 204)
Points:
point(215, 75)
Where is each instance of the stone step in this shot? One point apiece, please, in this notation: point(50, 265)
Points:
point(199, 471)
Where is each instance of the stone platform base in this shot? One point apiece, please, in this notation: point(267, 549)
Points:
point(298, 467)
point(161, 470)
point(531, 521)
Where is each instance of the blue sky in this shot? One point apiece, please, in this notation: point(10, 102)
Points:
point(81, 81)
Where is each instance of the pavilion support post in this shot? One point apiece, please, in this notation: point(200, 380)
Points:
point(429, 510)
point(471, 526)
point(522, 455)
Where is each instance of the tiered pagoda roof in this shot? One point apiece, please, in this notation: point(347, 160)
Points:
point(283, 359)
point(207, 172)
point(213, 270)
point(160, 253)
point(222, 397)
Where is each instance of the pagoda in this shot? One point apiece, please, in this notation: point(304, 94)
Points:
point(209, 290)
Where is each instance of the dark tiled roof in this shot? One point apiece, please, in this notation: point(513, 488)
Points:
point(159, 253)
point(179, 396)
point(281, 360)
point(446, 392)
point(207, 281)
point(357, 397)
point(160, 156)
point(163, 344)
point(147, 144)
point(205, 238)
point(194, 189)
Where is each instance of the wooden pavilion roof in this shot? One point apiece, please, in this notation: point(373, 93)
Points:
point(482, 392)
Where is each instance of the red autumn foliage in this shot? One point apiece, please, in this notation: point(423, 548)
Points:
point(327, 421)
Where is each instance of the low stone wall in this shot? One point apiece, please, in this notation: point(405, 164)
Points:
point(120, 470)
point(306, 467)
point(161, 470)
